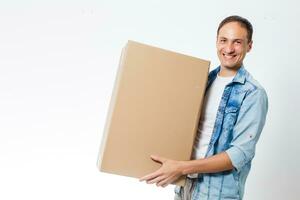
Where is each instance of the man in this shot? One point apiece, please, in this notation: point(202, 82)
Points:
point(234, 113)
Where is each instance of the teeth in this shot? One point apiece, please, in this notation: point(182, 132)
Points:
point(228, 56)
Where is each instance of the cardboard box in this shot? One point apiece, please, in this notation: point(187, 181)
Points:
point(154, 109)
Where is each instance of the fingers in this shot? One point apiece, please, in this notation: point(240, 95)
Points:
point(165, 182)
point(160, 180)
point(150, 176)
point(159, 177)
point(156, 180)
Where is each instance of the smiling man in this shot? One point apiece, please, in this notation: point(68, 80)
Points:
point(233, 116)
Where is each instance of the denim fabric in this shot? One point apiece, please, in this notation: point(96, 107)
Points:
point(239, 122)
point(185, 192)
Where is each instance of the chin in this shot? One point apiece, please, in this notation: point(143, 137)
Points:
point(231, 67)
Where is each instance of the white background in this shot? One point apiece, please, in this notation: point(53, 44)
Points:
point(58, 62)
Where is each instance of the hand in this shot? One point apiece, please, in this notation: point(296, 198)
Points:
point(170, 171)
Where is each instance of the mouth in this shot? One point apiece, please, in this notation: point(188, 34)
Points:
point(227, 56)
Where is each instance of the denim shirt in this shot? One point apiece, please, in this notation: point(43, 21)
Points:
point(239, 122)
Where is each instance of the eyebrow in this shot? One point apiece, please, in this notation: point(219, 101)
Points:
point(237, 39)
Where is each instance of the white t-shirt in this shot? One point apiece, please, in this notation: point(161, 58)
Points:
point(208, 117)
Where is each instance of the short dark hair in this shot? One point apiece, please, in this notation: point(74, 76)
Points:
point(242, 21)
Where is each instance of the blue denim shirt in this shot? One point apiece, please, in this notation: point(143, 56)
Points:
point(239, 122)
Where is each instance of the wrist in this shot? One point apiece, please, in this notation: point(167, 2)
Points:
point(183, 166)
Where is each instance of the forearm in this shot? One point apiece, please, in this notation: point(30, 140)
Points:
point(213, 164)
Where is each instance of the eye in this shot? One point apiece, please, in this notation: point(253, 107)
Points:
point(238, 42)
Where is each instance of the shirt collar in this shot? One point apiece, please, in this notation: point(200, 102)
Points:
point(240, 76)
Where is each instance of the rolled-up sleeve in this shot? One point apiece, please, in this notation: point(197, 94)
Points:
point(248, 127)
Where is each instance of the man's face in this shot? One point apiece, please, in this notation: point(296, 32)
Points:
point(232, 45)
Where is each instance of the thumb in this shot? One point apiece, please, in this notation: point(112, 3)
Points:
point(158, 158)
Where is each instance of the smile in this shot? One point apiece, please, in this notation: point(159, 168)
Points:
point(228, 56)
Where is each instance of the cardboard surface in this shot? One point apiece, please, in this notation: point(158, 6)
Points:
point(154, 109)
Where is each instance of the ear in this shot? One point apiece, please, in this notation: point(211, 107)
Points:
point(249, 46)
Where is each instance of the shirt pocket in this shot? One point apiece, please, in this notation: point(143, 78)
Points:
point(230, 117)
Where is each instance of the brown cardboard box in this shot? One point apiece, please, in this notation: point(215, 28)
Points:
point(154, 109)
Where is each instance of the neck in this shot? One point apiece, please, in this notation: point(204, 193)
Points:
point(227, 72)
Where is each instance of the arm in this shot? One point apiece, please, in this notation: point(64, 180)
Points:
point(246, 132)
point(173, 169)
point(217, 163)
point(248, 127)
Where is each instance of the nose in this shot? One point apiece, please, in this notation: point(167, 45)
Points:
point(229, 48)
